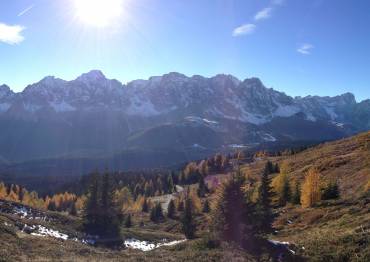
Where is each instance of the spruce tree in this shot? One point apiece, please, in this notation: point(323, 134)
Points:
point(171, 209)
point(263, 208)
point(145, 207)
point(109, 216)
point(296, 196)
point(180, 206)
point(91, 209)
point(206, 207)
point(232, 219)
point(286, 192)
point(202, 187)
point(187, 220)
point(73, 210)
point(128, 222)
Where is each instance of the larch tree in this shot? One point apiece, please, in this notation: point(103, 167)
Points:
point(311, 192)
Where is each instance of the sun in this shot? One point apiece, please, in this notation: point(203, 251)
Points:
point(98, 13)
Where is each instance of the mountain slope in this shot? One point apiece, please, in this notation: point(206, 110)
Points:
point(95, 116)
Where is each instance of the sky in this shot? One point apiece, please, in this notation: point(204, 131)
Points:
point(300, 47)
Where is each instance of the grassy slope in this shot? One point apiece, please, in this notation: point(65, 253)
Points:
point(337, 230)
point(332, 231)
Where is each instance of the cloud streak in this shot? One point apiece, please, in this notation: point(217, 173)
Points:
point(245, 29)
point(263, 14)
point(26, 10)
point(305, 49)
point(11, 34)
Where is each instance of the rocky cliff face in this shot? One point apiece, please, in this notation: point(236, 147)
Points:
point(95, 115)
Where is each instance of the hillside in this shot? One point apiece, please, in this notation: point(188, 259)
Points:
point(331, 230)
point(346, 161)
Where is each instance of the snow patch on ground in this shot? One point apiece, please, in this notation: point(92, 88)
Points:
point(46, 232)
point(147, 246)
point(282, 243)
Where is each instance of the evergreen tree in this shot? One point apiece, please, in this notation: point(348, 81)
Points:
point(232, 219)
point(156, 213)
point(263, 208)
point(206, 207)
point(109, 216)
point(202, 187)
point(331, 191)
point(180, 206)
point(145, 207)
point(187, 220)
point(128, 222)
point(286, 193)
point(296, 197)
point(73, 210)
point(170, 184)
point(171, 209)
point(91, 209)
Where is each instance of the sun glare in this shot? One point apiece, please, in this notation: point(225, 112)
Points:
point(98, 13)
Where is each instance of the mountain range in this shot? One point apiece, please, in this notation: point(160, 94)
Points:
point(187, 117)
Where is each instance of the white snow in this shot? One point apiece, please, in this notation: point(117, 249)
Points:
point(46, 232)
point(147, 246)
point(338, 124)
point(141, 107)
point(282, 243)
point(268, 137)
point(286, 111)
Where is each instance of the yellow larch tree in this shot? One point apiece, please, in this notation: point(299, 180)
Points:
point(311, 193)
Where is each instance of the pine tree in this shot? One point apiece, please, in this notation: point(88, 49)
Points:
point(128, 222)
point(286, 193)
point(202, 187)
point(331, 191)
point(145, 207)
point(232, 219)
point(170, 184)
point(73, 210)
point(91, 209)
point(187, 220)
point(206, 207)
point(109, 223)
point(180, 206)
point(263, 207)
point(311, 189)
point(156, 213)
point(171, 209)
point(296, 197)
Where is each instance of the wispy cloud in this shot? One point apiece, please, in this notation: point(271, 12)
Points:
point(263, 14)
point(305, 49)
point(26, 10)
point(245, 29)
point(11, 34)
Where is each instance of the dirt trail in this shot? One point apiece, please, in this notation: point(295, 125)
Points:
point(165, 199)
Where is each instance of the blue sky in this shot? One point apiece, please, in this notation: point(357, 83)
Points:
point(300, 47)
